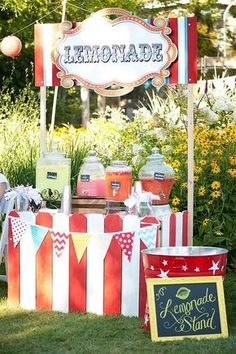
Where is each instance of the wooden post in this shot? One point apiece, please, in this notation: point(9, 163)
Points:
point(190, 164)
point(56, 90)
point(85, 105)
point(43, 129)
point(101, 102)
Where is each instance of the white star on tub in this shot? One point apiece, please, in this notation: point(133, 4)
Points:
point(163, 274)
point(214, 267)
point(164, 262)
point(152, 268)
point(184, 268)
point(197, 269)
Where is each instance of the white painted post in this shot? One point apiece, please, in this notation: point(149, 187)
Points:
point(56, 90)
point(43, 99)
point(190, 163)
point(85, 105)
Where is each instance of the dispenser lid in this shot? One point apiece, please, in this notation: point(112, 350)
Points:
point(155, 156)
point(92, 157)
point(55, 154)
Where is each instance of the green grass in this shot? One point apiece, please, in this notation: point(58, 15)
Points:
point(39, 332)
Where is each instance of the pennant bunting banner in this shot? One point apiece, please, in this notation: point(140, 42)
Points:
point(125, 240)
point(80, 243)
point(59, 242)
point(38, 233)
point(18, 229)
point(148, 235)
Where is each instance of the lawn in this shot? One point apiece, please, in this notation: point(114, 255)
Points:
point(38, 332)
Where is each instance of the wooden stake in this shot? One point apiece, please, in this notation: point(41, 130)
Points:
point(190, 163)
point(43, 98)
point(51, 129)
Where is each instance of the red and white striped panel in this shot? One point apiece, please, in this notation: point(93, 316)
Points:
point(183, 70)
point(102, 282)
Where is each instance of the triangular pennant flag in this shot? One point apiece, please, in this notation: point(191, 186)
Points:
point(59, 242)
point(148, 235)
point(125, 240)
point(18, 229)
point(38, 233)
point(80, 243)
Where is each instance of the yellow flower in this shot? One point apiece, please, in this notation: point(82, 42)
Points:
point(175, 210)
point(218, 152)
point(215, 194)
point(165, 148)
point(202, 162)
point(215, 185)
point(184, 185)
point(210, 202)
point(215, 169)
point(197, 169)
point(205, 222)
point(204, 152)
point(196, 178)
point(232, 160)
point(175, 164)
point(175, 201)
point(232, 172)
point(214, 162)
point(202, 191)
point(168, 159)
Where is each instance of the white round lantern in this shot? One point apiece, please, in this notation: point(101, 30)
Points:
point(11, 46)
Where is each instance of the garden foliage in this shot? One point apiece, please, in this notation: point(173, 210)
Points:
point(161, 123)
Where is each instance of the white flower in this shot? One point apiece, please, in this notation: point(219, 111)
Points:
point(221, 104)
point(137, 148)
point(212, 116)
point(234, 116)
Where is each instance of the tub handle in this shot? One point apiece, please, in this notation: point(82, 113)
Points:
point(179, 263)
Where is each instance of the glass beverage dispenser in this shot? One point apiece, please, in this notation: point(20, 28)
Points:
point(158, 178)
point(53, 173)
point(118, 181)
point(91, 179)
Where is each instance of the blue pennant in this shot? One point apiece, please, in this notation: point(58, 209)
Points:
point(38, 233)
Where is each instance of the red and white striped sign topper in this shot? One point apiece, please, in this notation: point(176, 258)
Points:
point(125, 52)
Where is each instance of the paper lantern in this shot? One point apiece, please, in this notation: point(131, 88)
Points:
point(11, 46)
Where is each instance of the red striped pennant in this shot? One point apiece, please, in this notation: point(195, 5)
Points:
point(59, 242)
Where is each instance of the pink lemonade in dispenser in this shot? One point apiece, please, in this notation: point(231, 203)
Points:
point(91, 179)
point(91, 188)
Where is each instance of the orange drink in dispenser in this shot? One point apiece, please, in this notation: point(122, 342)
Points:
point(118, 181)
point(157, 177)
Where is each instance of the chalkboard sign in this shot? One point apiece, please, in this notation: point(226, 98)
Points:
point(186, 308)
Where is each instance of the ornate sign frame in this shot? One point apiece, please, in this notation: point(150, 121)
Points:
point(88, 65)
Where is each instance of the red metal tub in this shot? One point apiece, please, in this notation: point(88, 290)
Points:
point(187, 261)
point(165, 262)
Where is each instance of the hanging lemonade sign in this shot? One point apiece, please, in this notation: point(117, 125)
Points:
point(125, 52)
